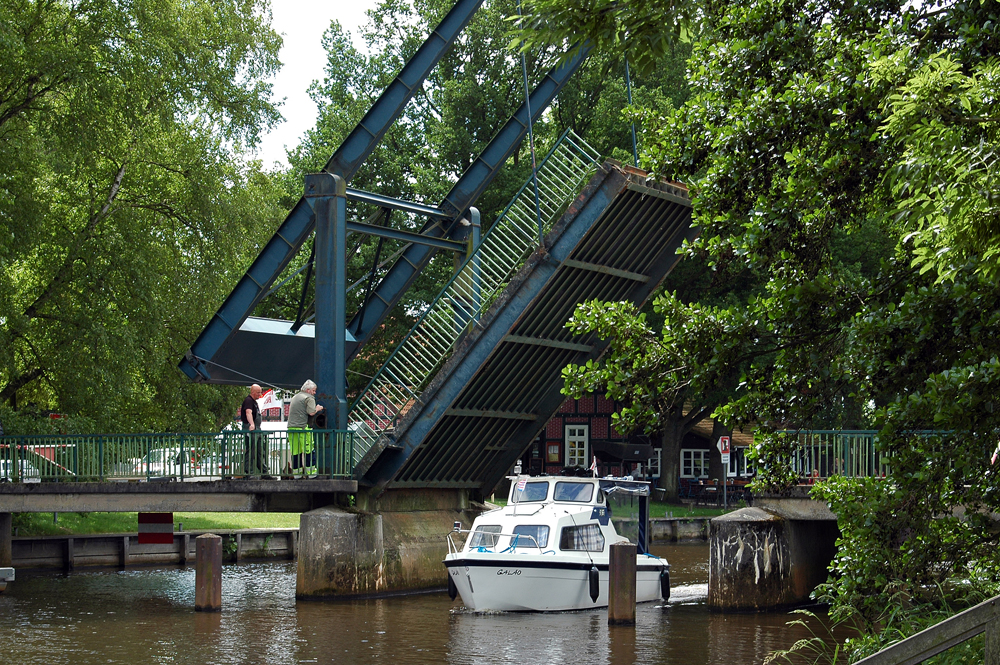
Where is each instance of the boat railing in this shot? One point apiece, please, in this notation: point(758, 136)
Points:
point(455, 549)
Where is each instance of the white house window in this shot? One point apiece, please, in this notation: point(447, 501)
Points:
point(694, 463)
point(653, 464)
point(576, 445)
point(738, 464)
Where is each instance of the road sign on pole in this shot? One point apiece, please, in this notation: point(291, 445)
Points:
point(723, 446)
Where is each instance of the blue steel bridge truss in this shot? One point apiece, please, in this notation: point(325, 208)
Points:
point(467, 425)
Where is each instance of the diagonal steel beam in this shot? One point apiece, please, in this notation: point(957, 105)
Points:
point(461, 197)
point(346, 161)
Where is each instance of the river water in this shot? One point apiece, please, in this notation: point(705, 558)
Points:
point(147, 615)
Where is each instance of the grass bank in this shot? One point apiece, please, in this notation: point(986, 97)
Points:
point(63, 524)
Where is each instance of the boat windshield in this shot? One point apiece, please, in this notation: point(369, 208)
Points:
point(539, 532)
point(582, 492)
point(483, 536)
point(533, 491)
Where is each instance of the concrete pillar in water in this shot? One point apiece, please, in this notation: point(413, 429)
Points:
point(760, 560)
point(208, 573)
point(6, 542)
point(395, 542)
point(621, 584)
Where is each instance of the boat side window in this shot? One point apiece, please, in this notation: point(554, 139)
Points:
point(581, 492)
point(483, 536)
point(583, 538)
point(539, 532)
point(534, 491)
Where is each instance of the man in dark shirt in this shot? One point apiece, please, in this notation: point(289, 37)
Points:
point(255, 454)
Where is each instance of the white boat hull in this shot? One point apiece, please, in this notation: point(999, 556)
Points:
point(539, 583)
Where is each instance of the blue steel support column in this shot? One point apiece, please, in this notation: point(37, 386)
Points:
point(328, 196)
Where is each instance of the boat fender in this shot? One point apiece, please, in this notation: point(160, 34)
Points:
point(595, 583)
point(452, 589)
point(665, 584)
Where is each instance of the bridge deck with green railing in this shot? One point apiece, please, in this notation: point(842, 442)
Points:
point(314, 453)
point(177, 456)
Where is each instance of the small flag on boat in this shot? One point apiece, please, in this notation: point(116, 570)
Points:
point(156, 528)
point(520, 485)
point(593, 466)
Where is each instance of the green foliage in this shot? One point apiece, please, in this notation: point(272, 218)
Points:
point(645, 30)
point(946, 180)
point(820, 647)
point(128, 208)
point(843, 155)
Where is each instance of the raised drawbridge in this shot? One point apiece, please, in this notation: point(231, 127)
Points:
point(477, 377)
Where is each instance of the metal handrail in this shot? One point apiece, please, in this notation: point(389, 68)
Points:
point(168, 456)
point(454, 549)
point(469, 293)
point(847, 453)
point(942, 636)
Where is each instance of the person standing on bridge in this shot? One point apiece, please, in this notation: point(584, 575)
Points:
point(300, 440)
point(254, 457)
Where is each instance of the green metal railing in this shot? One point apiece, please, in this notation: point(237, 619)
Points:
point(825, 453)
point(183, 457)
point(471, 291)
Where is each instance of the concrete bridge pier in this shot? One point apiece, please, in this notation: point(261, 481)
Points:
point(770, 556)
point(390, 544)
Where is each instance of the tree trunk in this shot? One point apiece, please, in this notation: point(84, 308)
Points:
point(9, 393)
point(670, 457)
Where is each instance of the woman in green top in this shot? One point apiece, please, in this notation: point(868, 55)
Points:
point(300, 441)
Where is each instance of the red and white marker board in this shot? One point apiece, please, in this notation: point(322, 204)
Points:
point(723, 446)
point(156, 528)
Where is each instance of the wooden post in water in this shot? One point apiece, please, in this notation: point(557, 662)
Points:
point(208, 573)
point(6, 543)
point(621, 585)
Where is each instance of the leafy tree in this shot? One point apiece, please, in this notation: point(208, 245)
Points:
point(844, 153)
point(127, 208)
point(664, 391)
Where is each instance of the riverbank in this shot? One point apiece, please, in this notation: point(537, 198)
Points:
point(68, 552)
point(73, 524)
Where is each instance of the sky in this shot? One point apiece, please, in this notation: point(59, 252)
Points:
point(301, 23)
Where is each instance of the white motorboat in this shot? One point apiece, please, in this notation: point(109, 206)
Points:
point(548, 548)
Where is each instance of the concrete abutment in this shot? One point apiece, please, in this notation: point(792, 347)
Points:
point(763, 560)
point(391, 544)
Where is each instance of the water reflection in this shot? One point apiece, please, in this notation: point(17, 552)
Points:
point(148, 615)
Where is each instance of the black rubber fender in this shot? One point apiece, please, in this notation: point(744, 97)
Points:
point(665, 584)
point(452, 589)
point(595, 583)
